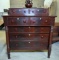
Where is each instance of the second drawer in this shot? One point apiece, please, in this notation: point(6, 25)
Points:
point(30, 29)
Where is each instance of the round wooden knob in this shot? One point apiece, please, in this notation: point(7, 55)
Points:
point(29, 42)
point(17, 18)
point(32, 11)
point(46, 21)
point(29, 27)
point(24, 11)
point(29, 34)
point(33, 21)
point(24, 21)
point(40, 18)
point(42, 36)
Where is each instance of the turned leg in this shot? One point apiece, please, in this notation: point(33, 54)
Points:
point(8, 52)
point(50, 42)
point(8, 55)
point(49, 52)
point(7, 42)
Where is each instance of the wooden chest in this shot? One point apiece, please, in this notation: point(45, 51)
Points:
point(28, 29)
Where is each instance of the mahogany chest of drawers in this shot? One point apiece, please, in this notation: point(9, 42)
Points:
point(28, 29)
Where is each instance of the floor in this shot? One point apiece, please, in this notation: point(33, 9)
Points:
point(27, 55)
point(1, 21)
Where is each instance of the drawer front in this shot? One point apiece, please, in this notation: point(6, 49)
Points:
point(19, 29)
point(47, 21)
point(43, 29)
point(30, 21)
point(28, 12)
point(32, 37)
point(22, 21)
point(41, 21)
point(30, 29)
point(28, 44)
point(35, 21)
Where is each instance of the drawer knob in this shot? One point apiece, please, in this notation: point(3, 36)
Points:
point(24, 11)
point(29, 34)
point(40, 18)
point(41, 36)
point(46, 21)
point(32, 11)
point(29, 42)
point(33, 21)
point(29, 27)
point(17, 18)
point(24, 21)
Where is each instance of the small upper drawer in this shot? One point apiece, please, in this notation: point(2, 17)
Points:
point(47, 21)
point(29, 21)
point(29, 12)
point(35, 21)
point(41, 21)
point(22, 21)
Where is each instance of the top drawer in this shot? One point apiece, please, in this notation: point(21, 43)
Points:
point(29, 11)
point(29, 21)
point(41, 21)
point(15, 21)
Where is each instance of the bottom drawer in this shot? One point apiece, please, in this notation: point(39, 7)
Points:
point(28, 45)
